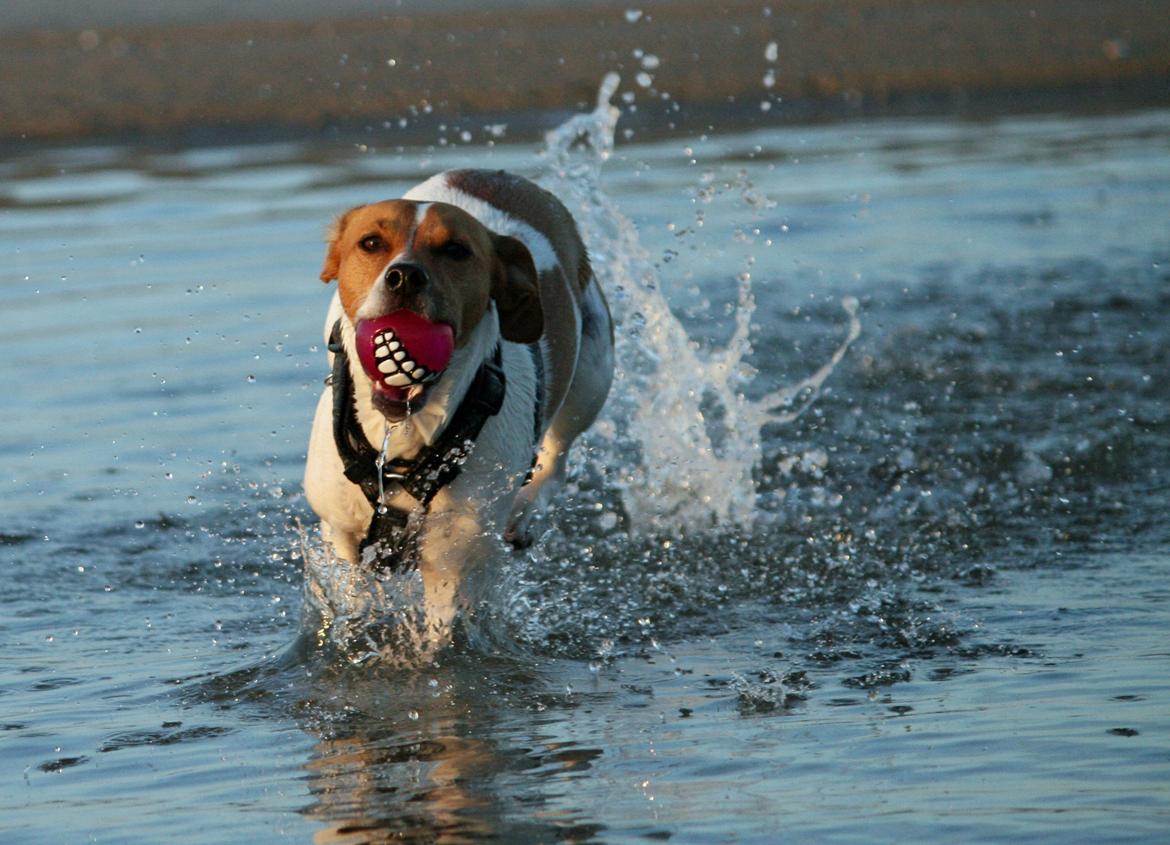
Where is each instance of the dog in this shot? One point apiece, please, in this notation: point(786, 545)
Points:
point(470, 345)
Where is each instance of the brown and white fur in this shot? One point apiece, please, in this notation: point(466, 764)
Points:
point(518, 273)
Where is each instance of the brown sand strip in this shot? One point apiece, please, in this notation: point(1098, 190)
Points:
point(308, 75)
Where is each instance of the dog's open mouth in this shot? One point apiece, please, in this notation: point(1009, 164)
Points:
point(402, 353)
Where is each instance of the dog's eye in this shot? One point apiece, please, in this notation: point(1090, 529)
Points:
point(372, 243)
point(454, 250)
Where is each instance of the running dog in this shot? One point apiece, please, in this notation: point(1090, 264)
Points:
point(470, 344)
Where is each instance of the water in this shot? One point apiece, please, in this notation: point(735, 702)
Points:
point(930, 605)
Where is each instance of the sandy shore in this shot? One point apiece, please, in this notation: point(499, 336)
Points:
point(471, 64)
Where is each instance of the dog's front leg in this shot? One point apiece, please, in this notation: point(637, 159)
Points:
point(343, 543)
point(453, 545)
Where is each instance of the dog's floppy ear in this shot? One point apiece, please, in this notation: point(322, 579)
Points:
point(516, 290)
point(333, 251)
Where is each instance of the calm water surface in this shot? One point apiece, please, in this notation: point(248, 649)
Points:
point(933, 606)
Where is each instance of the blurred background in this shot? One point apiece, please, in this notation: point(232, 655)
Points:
point(395, 71)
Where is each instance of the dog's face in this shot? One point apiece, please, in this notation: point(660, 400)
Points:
point(436, 261)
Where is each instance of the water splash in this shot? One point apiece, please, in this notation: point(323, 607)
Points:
point(363, 615)
point(671, 473)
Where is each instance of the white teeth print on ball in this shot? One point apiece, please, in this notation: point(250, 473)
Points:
point(398, 369)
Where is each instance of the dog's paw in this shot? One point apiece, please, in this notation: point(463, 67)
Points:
point(519, 537)
point(524, 526)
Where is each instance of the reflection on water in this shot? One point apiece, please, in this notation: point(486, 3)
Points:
point(366, 789)
point(445, 753)
point(374, 785)
point(937, 609)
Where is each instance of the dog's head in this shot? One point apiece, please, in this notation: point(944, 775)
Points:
point(420, 277)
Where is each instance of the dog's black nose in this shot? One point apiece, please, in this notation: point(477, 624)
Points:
point(405, 277)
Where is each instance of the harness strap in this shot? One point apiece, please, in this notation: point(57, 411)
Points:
point(357, 455)
point(423, 477)
point(439, 465)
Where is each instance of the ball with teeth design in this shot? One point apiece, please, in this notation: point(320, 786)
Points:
point(397, 367)
point(402, 350)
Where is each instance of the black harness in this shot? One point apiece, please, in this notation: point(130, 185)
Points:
point(393, 531)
